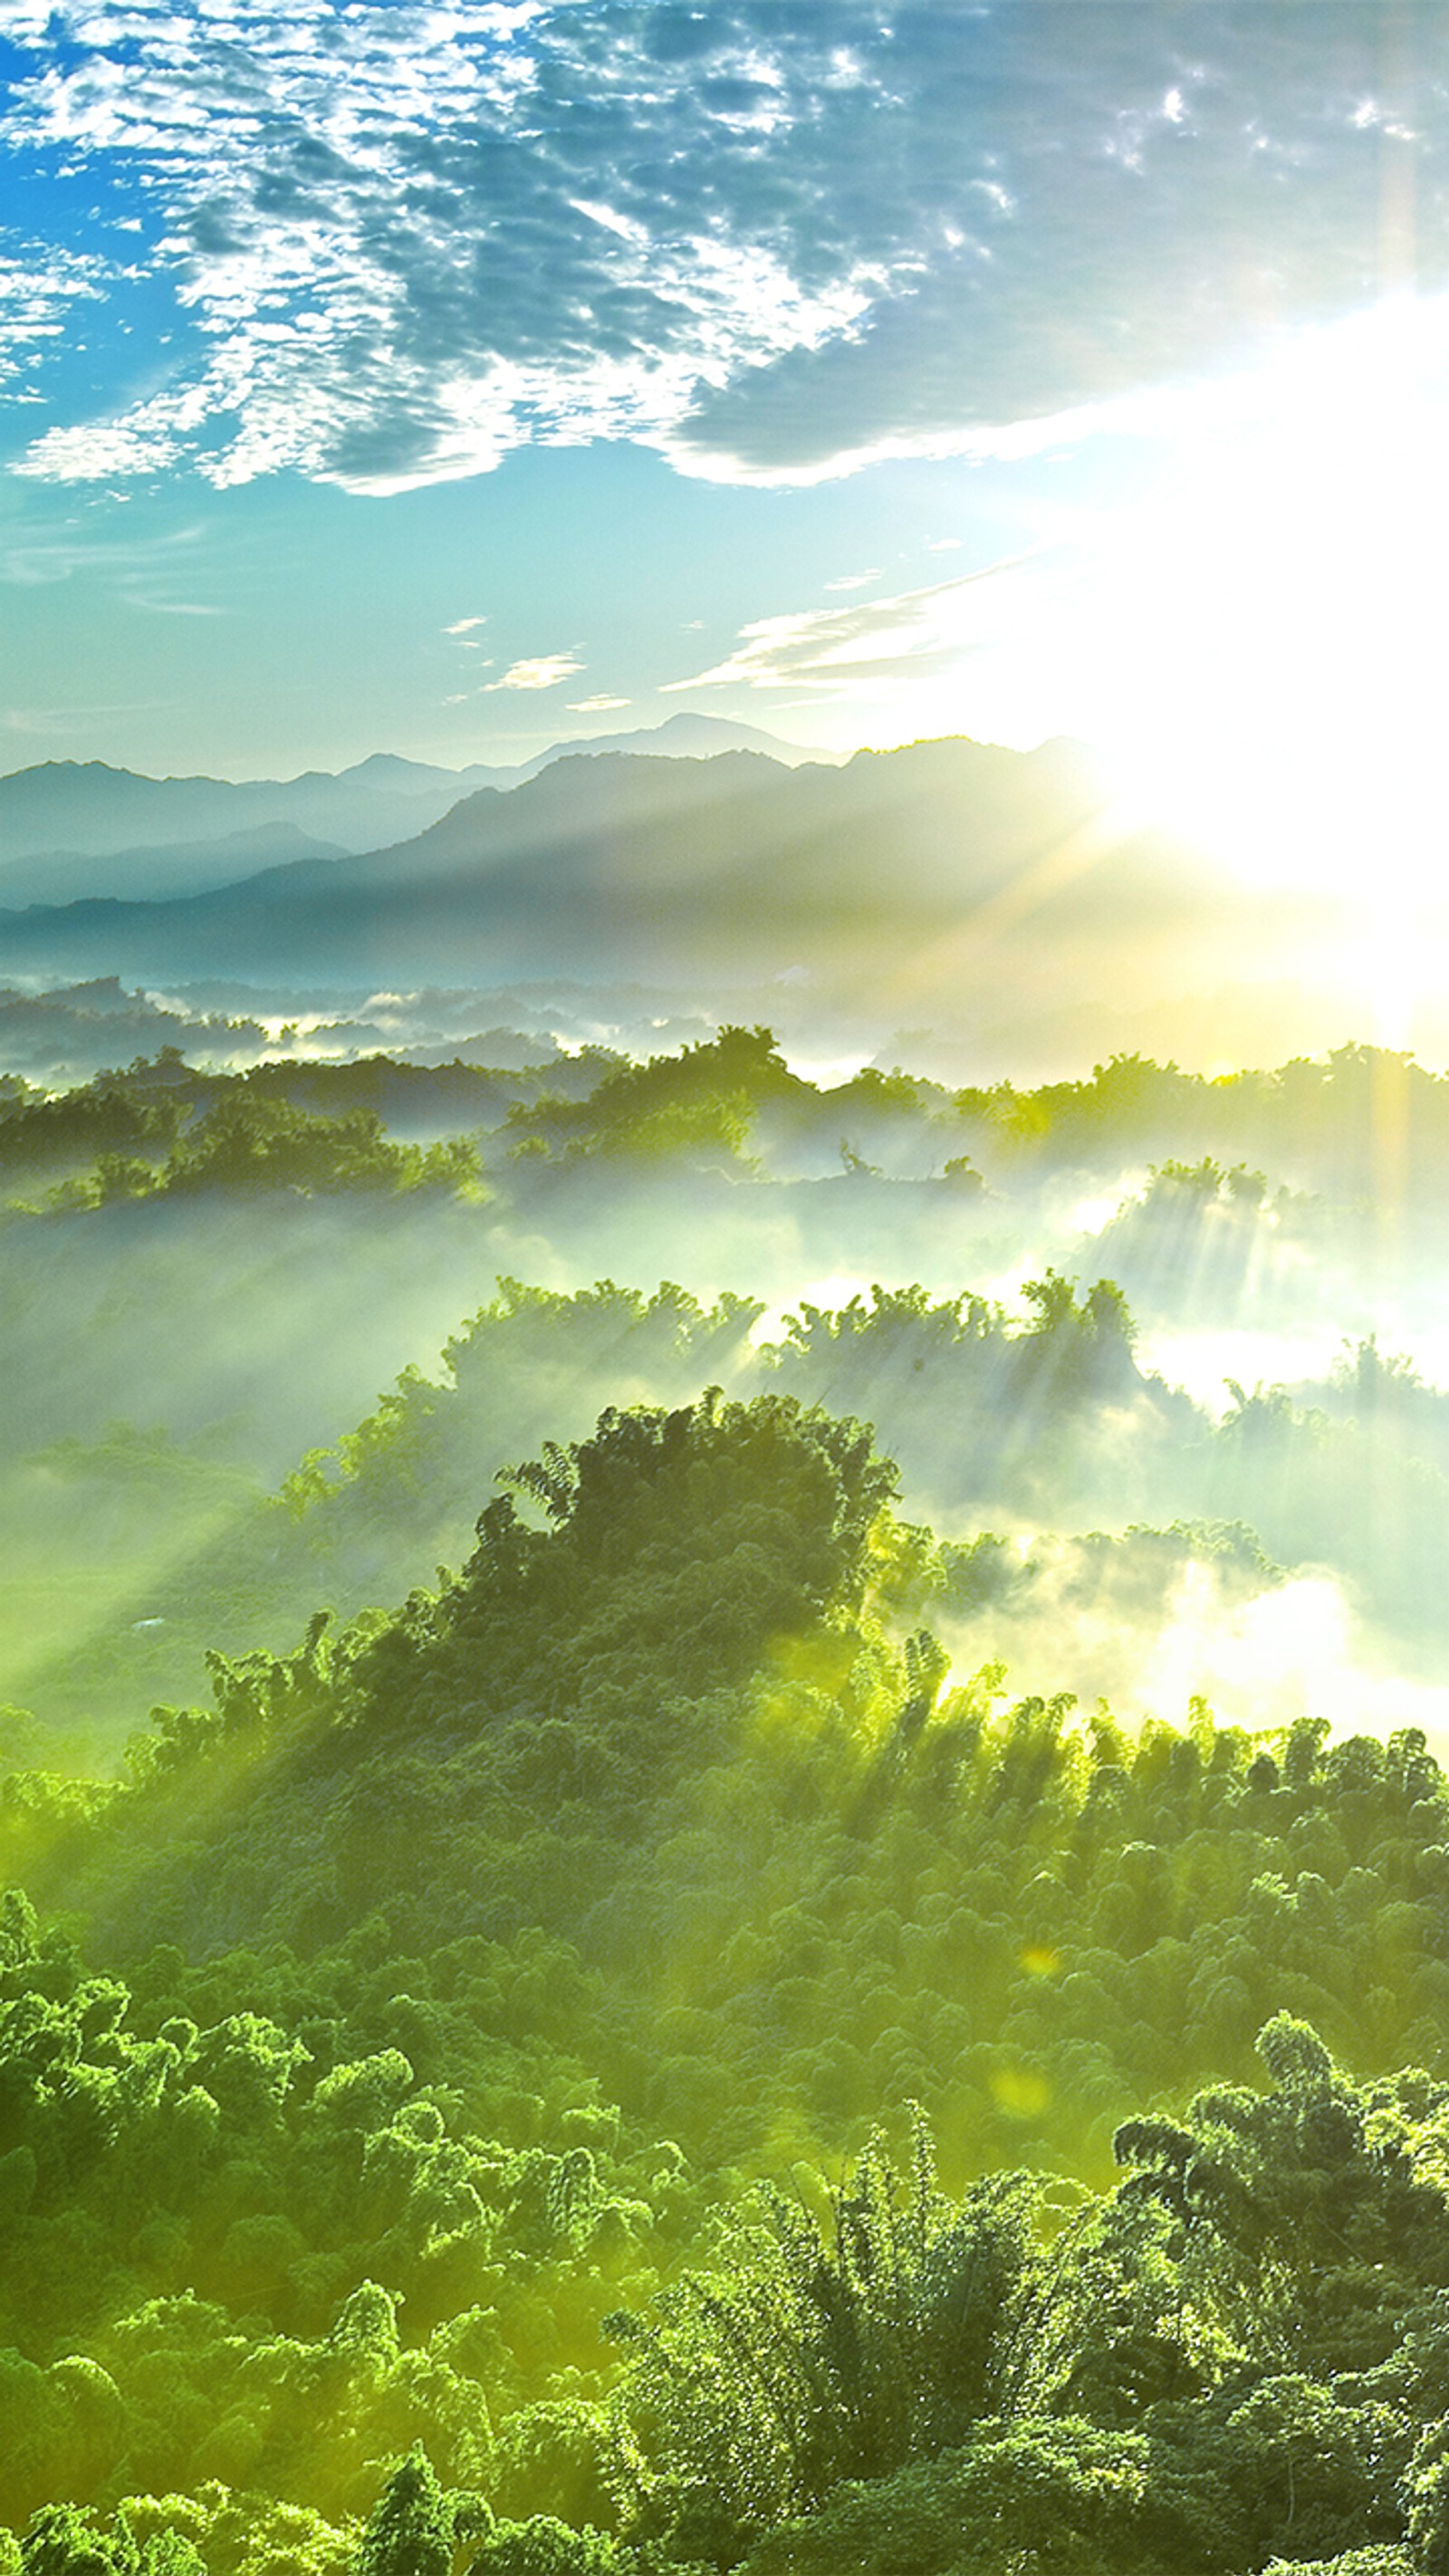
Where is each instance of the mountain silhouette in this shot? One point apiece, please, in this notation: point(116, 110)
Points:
point(152, 872)
point(64, 810)
point(927, 879)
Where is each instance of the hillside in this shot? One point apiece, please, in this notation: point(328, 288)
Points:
point(437, 1984)
point(724, 1508)
point(1146, 1302)
point(76, 829)
point(492, 1863)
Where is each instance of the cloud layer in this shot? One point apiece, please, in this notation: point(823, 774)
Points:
point(770, 239)
point(38, 287)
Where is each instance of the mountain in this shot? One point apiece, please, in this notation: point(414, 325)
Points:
point(917, 882)
point(63, 811)
point(72, 809)
point(684, 737)
point(149, 873)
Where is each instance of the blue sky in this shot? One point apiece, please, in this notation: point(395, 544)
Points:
point(451, 378)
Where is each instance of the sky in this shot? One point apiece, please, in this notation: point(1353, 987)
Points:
point(457, 378)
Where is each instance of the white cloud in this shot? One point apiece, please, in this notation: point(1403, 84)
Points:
point(38, 286)
point(623, 225)
point(599, 706)
point(344, 193)
point(406, 236)
point(839, 650)
point(464, 625)
point(93, 455)
point(173, 607)
point(854, 580)
point(545, 672)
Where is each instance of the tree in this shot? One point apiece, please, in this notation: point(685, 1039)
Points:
point(836, 2347)
point(63, 2541)
point(410, 2532)
point(544, 2547)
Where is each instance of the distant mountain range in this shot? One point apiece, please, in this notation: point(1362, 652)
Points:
point(949, 878)
point(159, 837)
point(681, 737)
point(151, 871)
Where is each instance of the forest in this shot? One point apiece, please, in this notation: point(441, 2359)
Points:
point(725, 1817)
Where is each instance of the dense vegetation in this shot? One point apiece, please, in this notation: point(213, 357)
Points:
point(1321, 1122)
point(345, 2128)
point(1044, 1417)
point(624, 2061)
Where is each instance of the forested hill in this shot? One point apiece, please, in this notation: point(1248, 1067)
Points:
point(412, 2007)
point(1047, 1266)
point(457, 2059)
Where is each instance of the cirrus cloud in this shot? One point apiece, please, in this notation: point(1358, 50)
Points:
point(838, 650)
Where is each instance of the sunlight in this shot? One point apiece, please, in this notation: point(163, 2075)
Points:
point(843, 1967)
point(1202, 1363)
point(832, 1293)
point(1273, 644)
point(1288, 1651)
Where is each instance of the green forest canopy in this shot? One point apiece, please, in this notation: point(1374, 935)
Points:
point(378, 2048)
point(456, 2086)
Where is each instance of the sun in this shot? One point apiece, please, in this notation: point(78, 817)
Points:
point(1275, 626)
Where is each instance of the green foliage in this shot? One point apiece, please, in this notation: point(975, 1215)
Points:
point(1317, 2210)
point(250, 1142)
point(1379, 2560)
point(543, 2546)
point(1185, 2495)
point(162, 1131)
point(137, 1114)
point(439, 1992)
point(700, 1105)
point(825, 2351)
point(63, 2542)
point(410, 2531)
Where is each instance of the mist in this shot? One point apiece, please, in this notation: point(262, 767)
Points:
point(977, 911)
point(724, 1651)
point(1142, 1345)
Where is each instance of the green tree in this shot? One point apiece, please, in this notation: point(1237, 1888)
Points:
point(543, 2546)
point(62, 2541)
point(836, 2347)
point(410, 2531)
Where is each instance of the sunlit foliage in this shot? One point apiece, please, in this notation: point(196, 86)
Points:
point(452, 2077)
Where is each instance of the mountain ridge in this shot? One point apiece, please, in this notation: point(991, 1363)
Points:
point(58, 812)
point(930, 877)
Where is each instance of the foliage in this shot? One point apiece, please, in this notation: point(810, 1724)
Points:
point(699, 1105)
point(439, 1993)
point(410, 2531)
point(818, 2352)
